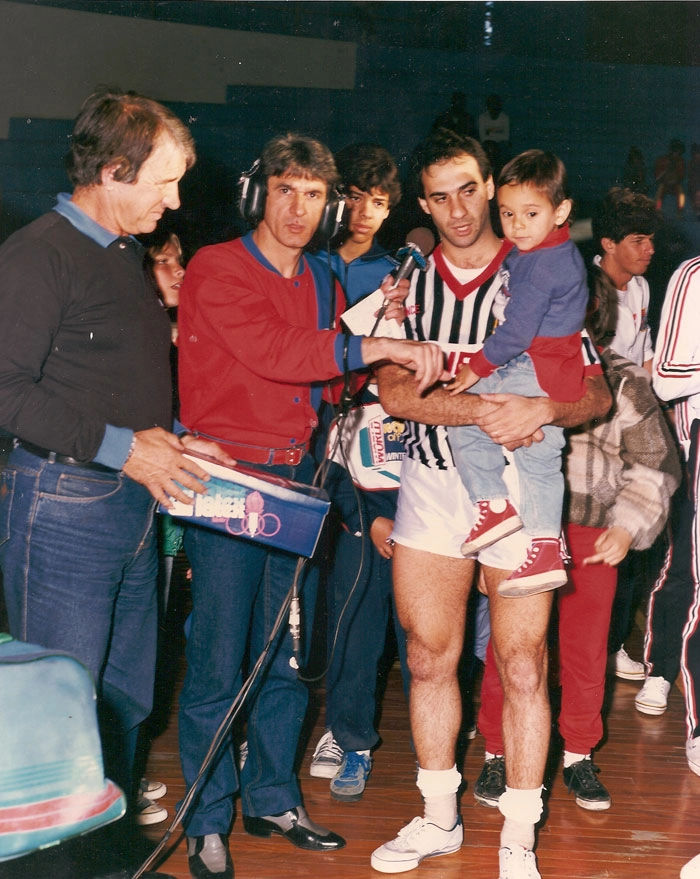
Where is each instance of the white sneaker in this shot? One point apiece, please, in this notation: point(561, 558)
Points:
point(692, 869)
point(149, 812)
point(653, 697)
point(517, 863)
point(692, 752)
point(327, 757)
point(154, 790)
point(627, 668)
point(417, 840)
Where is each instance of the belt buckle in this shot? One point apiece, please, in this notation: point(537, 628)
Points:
point(292, 457)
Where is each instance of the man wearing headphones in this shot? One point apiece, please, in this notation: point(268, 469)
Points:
point(255, 349)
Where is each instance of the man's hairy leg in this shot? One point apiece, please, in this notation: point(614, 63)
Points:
point(431, 596)
point(519, 640)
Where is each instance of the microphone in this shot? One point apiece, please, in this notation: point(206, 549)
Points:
point(419, 244)
point(295, 631)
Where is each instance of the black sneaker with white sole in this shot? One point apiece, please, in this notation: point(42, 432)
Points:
point(491, 782)
point(582, 779)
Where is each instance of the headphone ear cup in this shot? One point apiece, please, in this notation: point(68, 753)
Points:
point(251, 195)
point(251, 204)
point(334, 217)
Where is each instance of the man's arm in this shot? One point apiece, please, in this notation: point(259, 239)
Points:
point(508, 419)
point(518, 418)
point(424, 359)
point(231, 307)
point(397, 392)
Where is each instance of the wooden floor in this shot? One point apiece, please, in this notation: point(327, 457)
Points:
point(652, 829)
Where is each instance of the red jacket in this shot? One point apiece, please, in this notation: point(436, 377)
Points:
point(250, 350)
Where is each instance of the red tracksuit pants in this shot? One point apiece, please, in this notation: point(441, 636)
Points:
point(584, 607)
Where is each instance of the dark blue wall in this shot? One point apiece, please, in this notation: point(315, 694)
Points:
point(589, 113)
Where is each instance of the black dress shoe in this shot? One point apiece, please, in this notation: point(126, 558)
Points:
point(297, 827)
point(209, 857)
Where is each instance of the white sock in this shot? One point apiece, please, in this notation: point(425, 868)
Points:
point(441, 810)
point(439, 790)
point(570, 758)
point(514, 834)
point(522, 809)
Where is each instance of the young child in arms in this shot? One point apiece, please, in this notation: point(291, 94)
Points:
point(534, 351)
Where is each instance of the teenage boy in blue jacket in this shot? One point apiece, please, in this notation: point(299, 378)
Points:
point(359, 580)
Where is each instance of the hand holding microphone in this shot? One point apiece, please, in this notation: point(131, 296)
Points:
point(419, 244)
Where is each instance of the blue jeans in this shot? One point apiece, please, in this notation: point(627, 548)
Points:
point(480, 461)
point(79, 562)
point(238, 588)
point(361, 579)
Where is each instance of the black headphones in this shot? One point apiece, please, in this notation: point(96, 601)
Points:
point(252, 192)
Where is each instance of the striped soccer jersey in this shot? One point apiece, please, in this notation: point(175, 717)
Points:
point(459, 317)
point(440, 309)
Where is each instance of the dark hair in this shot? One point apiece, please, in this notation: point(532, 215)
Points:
point(540, 169)
point(440, 146)
point(494, 102)
point(298, 156)
point(156, 243)
point(624, 212)
point(121, 129)
point(368, 166)
point(601, 316)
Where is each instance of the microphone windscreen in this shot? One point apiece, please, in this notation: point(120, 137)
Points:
point(423, 239)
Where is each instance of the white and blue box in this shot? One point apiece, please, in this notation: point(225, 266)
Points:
point(257, 506)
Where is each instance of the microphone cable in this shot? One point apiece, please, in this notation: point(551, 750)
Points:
point(413, 252)
point(224, 728)
point(289, 611)
point(339, 446)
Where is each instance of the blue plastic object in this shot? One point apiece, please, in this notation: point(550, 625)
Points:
point(52, 784)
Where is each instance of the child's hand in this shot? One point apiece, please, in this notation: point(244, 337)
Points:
point(464, 380)
point(611, 547)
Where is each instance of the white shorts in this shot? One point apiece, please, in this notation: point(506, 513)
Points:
point(435, 515)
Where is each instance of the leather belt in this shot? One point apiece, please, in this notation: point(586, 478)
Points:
point(261, 455)
point(56, 458)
